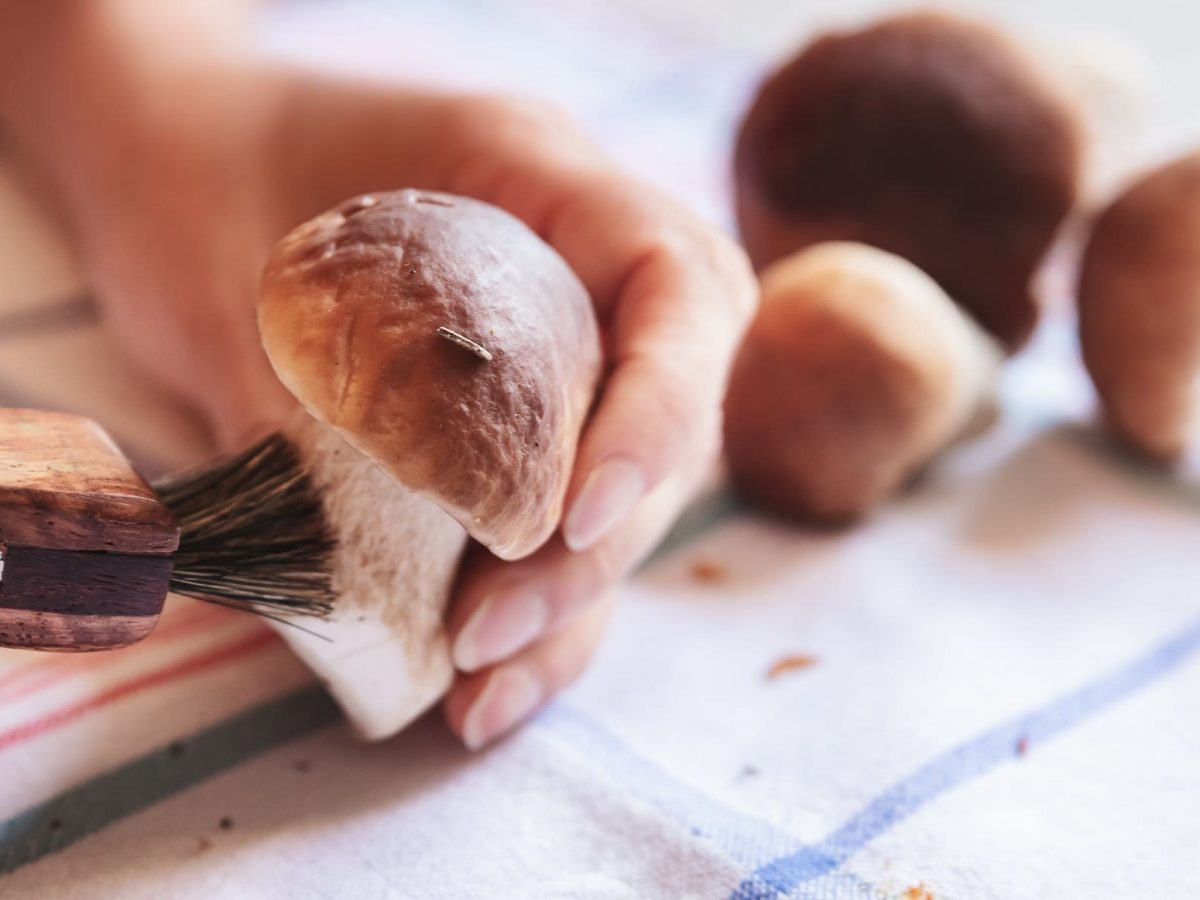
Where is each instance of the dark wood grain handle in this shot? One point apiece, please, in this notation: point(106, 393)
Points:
point(75, 600)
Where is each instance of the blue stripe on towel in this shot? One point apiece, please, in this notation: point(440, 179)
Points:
point(74, 815)
point(963, 763)
point(746, 840)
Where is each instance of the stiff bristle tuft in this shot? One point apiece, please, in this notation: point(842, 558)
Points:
point(252, 533)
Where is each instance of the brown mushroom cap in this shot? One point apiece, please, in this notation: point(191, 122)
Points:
point(856, 371)
point(350, 308)
point(926, 135)
point(1139, 309)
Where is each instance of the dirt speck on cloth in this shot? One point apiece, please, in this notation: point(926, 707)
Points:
point(785, 665)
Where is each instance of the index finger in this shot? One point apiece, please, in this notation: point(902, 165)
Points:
point(672, 294)
point(678, 298)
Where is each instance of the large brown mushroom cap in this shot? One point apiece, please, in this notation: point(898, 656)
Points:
point(350, 310)
point(857, 370)
point(926, 135)
point(1139, 309)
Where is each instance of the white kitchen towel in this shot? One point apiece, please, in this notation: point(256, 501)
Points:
point(997, 702)
point(988, 690)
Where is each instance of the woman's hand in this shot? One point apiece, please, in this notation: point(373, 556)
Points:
point(190, 170)
point(673, 297)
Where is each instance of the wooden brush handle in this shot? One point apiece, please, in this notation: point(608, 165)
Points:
point(86, 543)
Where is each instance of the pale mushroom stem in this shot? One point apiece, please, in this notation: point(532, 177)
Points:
point(382, 652)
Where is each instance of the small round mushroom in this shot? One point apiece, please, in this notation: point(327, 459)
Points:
point(856, 372)
point(1139, 311)
point(927, 135)
point(446, 358)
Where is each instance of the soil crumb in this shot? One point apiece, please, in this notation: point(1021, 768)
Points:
point(791, 663)
point(706, 571)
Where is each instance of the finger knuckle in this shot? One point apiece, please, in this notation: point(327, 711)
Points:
point(718, 256)
point(674, 408)
point(499, 117)
point(608, 565)
point(730, 264)
point(532, 118)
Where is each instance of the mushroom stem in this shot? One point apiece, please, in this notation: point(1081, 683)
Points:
point(383, 652)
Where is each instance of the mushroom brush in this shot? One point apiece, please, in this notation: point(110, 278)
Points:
point(90, 550)
point(445, 359)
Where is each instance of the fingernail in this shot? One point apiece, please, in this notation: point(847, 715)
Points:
point(608, 495)
point(504, 623)
point(510, 696)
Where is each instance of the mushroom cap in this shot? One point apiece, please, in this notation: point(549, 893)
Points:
point(1139, 309)
point(927, 135)
point(856, 371)
point(350, 307)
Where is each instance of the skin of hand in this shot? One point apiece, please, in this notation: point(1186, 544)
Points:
point(176, 169)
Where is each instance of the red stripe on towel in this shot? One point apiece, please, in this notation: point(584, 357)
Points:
point(29, 679)
point(192, 666)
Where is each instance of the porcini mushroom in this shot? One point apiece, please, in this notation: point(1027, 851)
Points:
point(445, 358)
point(857, 370)
point(926, 135)
point(1139, 310)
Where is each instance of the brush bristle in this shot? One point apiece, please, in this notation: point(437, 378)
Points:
point(252, 533)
